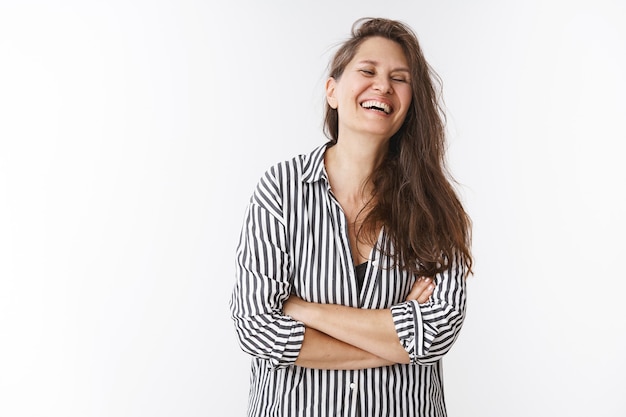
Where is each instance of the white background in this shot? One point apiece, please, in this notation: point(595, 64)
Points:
point(132, 134)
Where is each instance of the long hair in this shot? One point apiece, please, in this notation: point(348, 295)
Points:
point(427, 225)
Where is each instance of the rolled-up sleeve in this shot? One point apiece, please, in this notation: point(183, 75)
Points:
point(263, 270)
point(428, 331)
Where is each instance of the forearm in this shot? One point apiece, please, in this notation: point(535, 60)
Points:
point(370, 330)
point(322, 351)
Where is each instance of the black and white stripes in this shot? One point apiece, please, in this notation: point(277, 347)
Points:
point(294, 240)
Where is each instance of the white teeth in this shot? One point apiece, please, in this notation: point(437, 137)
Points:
point(377, 104)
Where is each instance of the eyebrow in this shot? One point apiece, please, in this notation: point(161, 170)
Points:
point(372, 62)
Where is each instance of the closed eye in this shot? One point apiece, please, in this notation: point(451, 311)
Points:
point(366, 72)
point(400, 77)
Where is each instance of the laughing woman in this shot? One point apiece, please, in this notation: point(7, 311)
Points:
point(352, 259)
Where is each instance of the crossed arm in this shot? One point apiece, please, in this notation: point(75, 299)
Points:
point(341, 337)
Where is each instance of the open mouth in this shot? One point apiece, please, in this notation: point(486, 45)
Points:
point(376, 105)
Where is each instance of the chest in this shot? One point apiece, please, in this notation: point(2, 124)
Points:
point(321, 245)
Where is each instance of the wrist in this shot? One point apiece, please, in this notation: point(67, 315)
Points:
point(295, 308)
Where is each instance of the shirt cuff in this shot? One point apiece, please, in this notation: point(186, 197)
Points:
point(407, 319)
point(287, 346)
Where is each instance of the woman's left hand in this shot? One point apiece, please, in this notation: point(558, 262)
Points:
point(421, 290)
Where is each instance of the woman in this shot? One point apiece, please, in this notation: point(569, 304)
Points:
point(352, 259)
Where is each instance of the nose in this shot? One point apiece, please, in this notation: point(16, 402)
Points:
point(383, 84)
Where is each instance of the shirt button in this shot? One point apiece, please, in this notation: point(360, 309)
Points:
point(352, 385)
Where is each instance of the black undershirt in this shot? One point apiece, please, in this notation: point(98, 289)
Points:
point(359, 271)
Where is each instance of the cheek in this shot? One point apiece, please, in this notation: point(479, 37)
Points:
point(407, 96)
point(354, 91)
point(406, 104)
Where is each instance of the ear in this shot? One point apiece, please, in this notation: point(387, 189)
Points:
point(331, 85)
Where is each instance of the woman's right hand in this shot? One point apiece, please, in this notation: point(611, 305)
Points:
point(421, 290)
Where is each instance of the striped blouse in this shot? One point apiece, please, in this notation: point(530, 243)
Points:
point(294, 240)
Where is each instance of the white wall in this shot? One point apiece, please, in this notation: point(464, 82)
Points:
point(133, 132)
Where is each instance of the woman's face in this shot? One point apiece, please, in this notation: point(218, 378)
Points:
point(373, 94)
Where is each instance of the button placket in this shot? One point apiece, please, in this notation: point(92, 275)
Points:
point(354, 394)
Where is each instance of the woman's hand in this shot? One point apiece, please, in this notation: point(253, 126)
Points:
point(294, 307)
point(421, 290)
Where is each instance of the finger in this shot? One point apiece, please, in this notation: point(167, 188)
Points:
point(419, 286)
point(425, 295)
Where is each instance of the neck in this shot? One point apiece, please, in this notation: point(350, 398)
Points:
point(349, 165)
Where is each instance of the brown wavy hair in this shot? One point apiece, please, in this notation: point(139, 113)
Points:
point(413, 194)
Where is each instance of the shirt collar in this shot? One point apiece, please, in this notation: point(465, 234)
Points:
point(314, 169)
